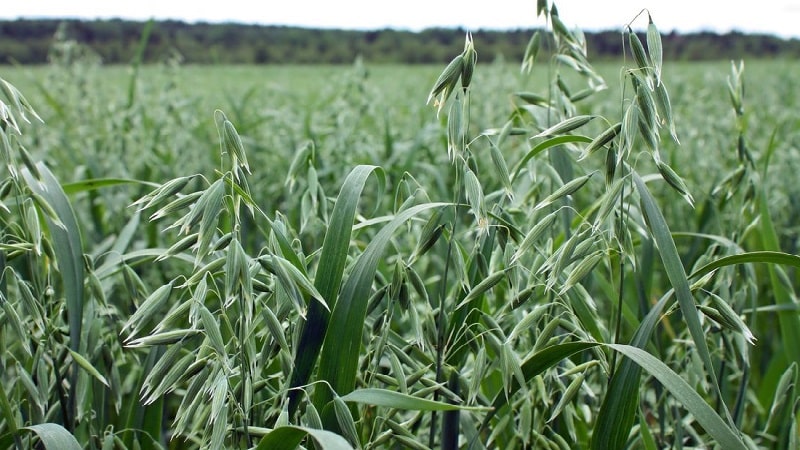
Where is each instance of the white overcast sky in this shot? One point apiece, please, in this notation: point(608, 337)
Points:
point(779, 17)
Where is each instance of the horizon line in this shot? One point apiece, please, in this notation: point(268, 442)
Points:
point(381, 28)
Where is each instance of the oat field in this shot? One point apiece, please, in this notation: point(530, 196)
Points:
point(494, 254)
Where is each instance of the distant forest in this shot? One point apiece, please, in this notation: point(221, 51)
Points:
point(28, 41)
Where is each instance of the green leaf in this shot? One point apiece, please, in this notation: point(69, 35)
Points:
point(329, 275)
point(677, 277)
point(137, 60)
point(67, 245)
point(398, 400)
point(542, 146)
point(126, 235)
point(98, 183)
point(617, 413)
point(770, 257)
point(342, 348)
point(713, 424)
point(54, 436)
point(535, 365)
point(788, 321)
point(648, 442)
point(289, 437)
point(68, 248)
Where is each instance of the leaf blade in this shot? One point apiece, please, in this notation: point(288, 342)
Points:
point(54, 436)
point(399, 400)
point(289, 437)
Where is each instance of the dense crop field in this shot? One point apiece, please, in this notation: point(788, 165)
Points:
point(478, 256)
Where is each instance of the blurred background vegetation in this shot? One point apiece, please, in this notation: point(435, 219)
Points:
point(28, 41)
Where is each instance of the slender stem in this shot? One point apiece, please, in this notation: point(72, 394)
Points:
point(246, 313)
point(63, 403)
point(621, 237)
point(244, 368)
point(441, 324)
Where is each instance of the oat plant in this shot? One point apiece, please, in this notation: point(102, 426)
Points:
point(318, 279)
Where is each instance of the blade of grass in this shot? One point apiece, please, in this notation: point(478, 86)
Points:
point(533, 366)
point(617, 413)
point(341, 349)
point(140, 419)
point(788, 321)
point(125, 236)
point(398, 400)
point(680, 283)
point(648, 442)
point(542, 146)
point(68, 248)
point(713, 423)
point(289, 437)
point(98, 183)
point(770, 257)
point(329, 276)
point(54, 436)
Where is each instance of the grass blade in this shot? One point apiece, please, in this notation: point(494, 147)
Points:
point(542, 146)
point(99, 183)
point(68, 247)
point(329, 276)
point(714, 425)
point(340, 353)
point(398, 400)
point(54, 436)
point(289, 437)
point(789, 322)
point(770, 257)
point(617, 413)
point(678, 279)
point(648, 442)
point(533, 366)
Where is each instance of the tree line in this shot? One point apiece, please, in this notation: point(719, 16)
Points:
point(115, 41)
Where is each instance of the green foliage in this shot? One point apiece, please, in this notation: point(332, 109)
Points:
point(534, 261)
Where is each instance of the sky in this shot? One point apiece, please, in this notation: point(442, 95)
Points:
point(778, 17)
